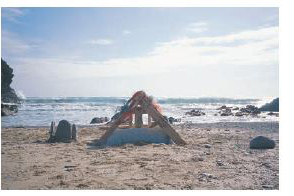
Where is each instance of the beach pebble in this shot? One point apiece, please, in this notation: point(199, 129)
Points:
point(267, 186)
point(207, 146)
point(196, 159)
point(262, 142)
point(207, 175)
point(219, 163)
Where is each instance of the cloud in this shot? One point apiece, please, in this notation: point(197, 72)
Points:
point(251, 50)
point(12, 14)
point(13, 44)
point(197, 27)
point(126, 32)
point(100, 42)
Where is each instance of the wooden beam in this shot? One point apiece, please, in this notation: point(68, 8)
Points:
point(115, 125)
point(138, 117)
point(151, 110)
point(149, 120)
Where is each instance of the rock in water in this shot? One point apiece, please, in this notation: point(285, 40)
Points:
point(262, 142)
point(8, 109)
point(74, 132)
point(98, 120)
point(272, 106)
point(194, 112)
point(172, 120)
point(63, 132)
point(250, 109)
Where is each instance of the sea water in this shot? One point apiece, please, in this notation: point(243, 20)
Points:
point(40, 111)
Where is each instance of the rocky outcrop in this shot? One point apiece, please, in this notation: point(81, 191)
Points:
point(8, 95)
point(271, 107)
point(9, 98)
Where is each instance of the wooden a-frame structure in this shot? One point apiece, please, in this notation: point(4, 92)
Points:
point(140, 104)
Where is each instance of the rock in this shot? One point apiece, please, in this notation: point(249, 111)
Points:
point(226, 112)
point(207, 175)
point(196, 159)
point(262, 142)
point(219, 163)
point(195, 113)
point(171, 120)
point(98, 120)
point(8, 95)
point(207, 146)
point(63, 131)
point(222, 107)
point(74, 132)
point(8, 109)
point(273, 114)
point(9, 99)
point(200, 159)
point(236, 108)
point(273, 106)
point(250, 109)
point(267, 186)
point(239, 114)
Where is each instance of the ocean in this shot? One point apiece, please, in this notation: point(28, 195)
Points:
point(38, 111)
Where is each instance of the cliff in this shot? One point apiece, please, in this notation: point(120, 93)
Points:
point(272, 106)
point(9, 98)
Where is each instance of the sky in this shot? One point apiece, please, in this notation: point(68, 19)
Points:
point(168, 52)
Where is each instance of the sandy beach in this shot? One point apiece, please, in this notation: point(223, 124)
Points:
point(217, 156)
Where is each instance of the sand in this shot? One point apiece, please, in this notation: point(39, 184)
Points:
point(217, 157)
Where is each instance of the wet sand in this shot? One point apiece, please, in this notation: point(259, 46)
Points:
point(217, 157)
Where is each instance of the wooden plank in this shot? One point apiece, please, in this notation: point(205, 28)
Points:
point(115, 125)
point(149, 120)
point(151, 110)
point(138, 117)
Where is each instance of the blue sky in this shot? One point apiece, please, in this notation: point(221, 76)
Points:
point(168, 52)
